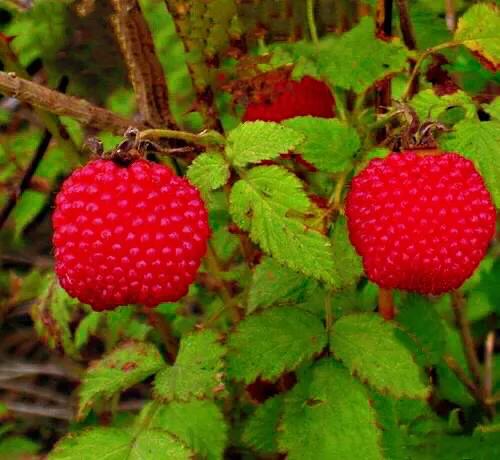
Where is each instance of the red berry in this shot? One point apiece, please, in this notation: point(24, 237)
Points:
point(128, 234)
point(420, 223)
point(290, 98)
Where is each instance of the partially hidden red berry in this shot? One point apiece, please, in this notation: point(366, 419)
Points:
point(128, 234)
point(420, 223)
point(290, 98)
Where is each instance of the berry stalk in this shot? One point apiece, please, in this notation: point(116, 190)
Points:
point(386, 304)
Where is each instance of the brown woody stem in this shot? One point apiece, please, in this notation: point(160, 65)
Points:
point(62, 104)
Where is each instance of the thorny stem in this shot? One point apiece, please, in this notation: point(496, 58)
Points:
point(462, 376)
point(458, 304)
point(386, 304)
point(311, 22)
point(215, 269)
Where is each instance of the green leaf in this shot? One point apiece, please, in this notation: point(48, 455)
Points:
point(328, 415)
point(119, 444)
point(357, 60)
point(479, 142)
point(420, 320)
point(371, 348)
point(479, 29)
point(494, 108)
point(262, 202)
point(273, 284)
point(393, 440)
point(86, 328)
point(197, 371)
point(252, 142)
point(480, 446)
point(208, 171)
point(430, 106)
point(52, 314)
point(329, 144)
point(128, 364)
point(199, 424)
point(261, 428)
point(348, 266)
point(18, 448)
point(272, 342)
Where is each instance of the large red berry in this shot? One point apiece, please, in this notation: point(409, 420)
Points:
point(420, 223)
point(290, 98)
point(128, 234)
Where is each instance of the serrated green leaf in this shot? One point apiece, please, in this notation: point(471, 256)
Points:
point(479, 142)
point(119, 444)
point(52, 314)
point(393, 439)
point(348, 266)
point(370, 348)
point(329, 144)
point(128, 364)
point(430, 106)
point(273, 284)
point(86, 328)
point(263, 202)
point(480, 446)
point(254, 141)
point(419, 318)
point(197, 371)
point(494, 108)
point(121, 324)
point(479, 29)
point(357, 60)
point(272, 342)
point(260, 430)
point(208, 171)
point(328, 415)
point(199, 424)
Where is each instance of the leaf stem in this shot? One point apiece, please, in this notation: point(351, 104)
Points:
point(386, 304)
point(207, 137)
point(229, 302)
point(310, 21)
point(458, 304)
point(158, 321)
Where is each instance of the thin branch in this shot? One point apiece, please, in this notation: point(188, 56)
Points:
point(489, 347)
point(311, 22)
point(16, 194)
point(144, 68)
point(62, 104)
point(458, 304)
point(462, 376)
point(62, 413)
point(406, 25)
point(33, 390)
point(451, 17)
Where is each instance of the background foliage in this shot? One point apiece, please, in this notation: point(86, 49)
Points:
point(277, 351)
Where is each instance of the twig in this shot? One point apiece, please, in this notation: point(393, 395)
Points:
point(462, 376)
point(406, 25)
point(144, 68)
point(10, 370)
point(62, 413)
point(489, 346)
point(311, 22)
point(216, 271)
point(206, 137)
point(386, 304)
point(451, 18)
point(62, 104)
point(32, 390)
point(458, 304)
